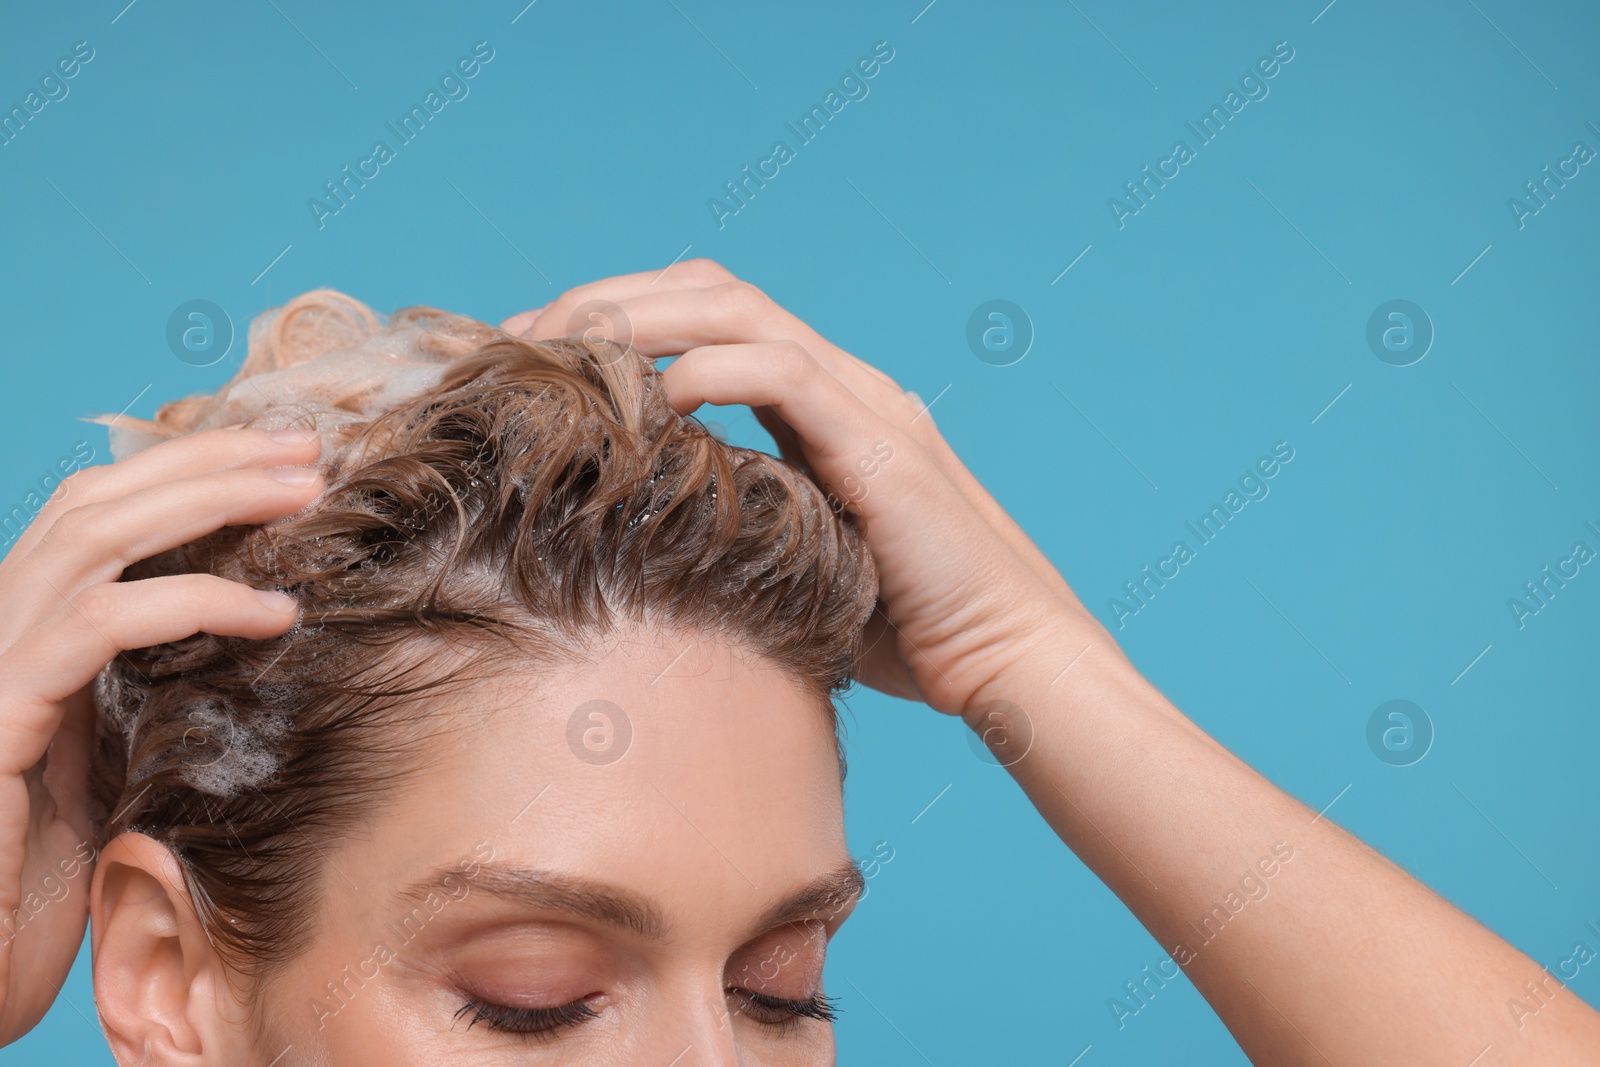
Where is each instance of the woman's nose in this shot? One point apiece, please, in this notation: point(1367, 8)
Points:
point(703, 1035)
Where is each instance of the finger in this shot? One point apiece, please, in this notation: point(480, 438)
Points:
point(881, 665)
point(783, 436)
point(689, 274)
point(833, 428)
point(94, 542)
point(735, 314)
point(64, 654)
point(67, 765)
point(181, 457)
point(836, 430)
point(668, 323)
point(519, 322)
point(716, 308)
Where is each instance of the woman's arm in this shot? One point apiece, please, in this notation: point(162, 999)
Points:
point(1311, 947)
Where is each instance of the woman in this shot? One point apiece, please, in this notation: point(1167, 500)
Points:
point(586, 808)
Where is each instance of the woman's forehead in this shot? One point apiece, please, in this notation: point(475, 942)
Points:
point(659, 760)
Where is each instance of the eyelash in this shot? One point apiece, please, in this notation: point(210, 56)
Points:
point(785, 1015)
point(537, 1023)
point(541, 1023)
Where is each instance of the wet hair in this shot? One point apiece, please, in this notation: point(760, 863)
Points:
point(511, 502)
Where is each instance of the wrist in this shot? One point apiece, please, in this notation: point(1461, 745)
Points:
point(1071, 707)
point(1061, 666)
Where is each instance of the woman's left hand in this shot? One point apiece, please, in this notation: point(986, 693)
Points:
point(964, 595)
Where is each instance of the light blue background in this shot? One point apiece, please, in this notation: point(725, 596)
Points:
point(1208, 328)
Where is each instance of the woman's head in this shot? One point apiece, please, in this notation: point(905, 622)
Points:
point(551, 748)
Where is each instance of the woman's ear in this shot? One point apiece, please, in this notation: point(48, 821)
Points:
point(161, 989)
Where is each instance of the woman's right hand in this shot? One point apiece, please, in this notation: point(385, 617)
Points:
point(64, 615)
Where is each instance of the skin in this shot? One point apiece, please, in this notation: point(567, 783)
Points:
point(974, 621)
point(65, 616)
point(501, 830)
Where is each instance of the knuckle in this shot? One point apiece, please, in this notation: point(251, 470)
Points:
point(793, 363)
point(559, 309)
point(99, 605)
point(200, 594)
point(75, 522)
point(81, 484)
point(743, 300)
point(703, 271)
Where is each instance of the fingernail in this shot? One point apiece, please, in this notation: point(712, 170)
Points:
point(295, 475)
point(292, 437)
point(279, 602)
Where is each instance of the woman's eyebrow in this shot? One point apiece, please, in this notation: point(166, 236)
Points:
point(550, 891)
point(820, 901)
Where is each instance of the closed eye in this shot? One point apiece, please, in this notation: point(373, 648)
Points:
point(535, 1023)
